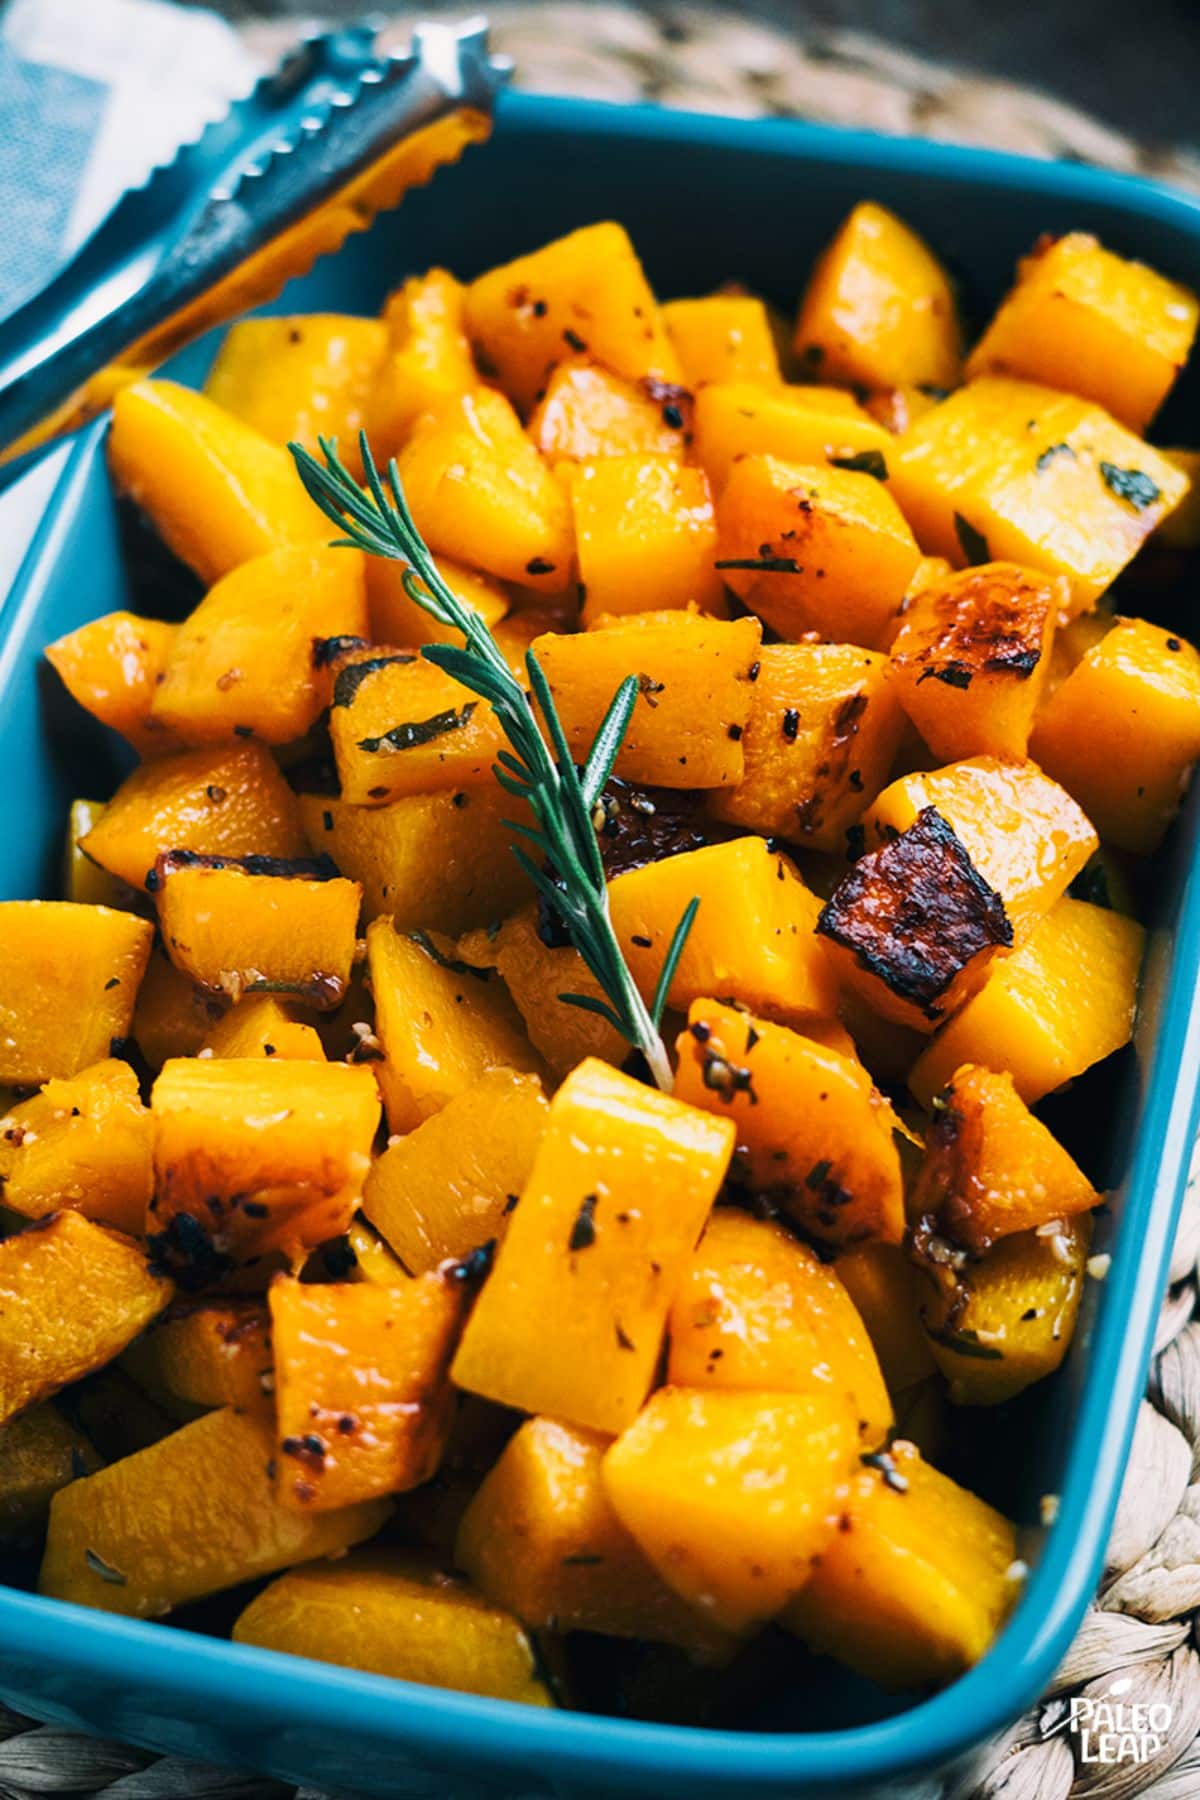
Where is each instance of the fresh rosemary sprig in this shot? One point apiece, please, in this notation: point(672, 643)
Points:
point(561, 797)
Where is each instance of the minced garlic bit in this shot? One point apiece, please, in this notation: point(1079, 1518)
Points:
point(1017, 1571)
point(1048, 1508)
point(1052, 1228)
point(1099, 1265)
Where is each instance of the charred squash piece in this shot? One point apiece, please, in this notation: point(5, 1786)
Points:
point(881, 1282)
point(83, 1144)
point(819, 744)
point(811, 425)
point(68, 982)
point(537, 967)
point(586, 411)
point(917, 1581)
point(541, 1539)
point(173, 1017)
point(261, 1025)
point(732, 1495)
point(449, 1186)
point(239, 924)
point(113, 667)
point(398, 1614)
point(811, 1129)
point(401, 726)
point(362, 1396)
point(760, 1312)
point(427, 362)
point(217, 802)
point(71, 1296)
point(646, 537)
point(620, 1187)
point(40, 1452)
point(397, 619)
point(723, 337)
point(914, 926)
point(215, 1354)
point(254, 1155)
point(187, 1517)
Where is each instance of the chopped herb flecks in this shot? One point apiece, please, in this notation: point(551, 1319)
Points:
point(421, 731)
point(1132, 485)
point(863, 462)
point(583, 1231)
point(974, 544)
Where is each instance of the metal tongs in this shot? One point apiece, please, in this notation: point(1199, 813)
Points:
point(335, 135)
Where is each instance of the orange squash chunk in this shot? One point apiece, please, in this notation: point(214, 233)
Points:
point(722, 337)
point(83, 880)
point(620, 1187)
point(541, 1539)
point(991, 1168)
point(694, 677)
point(217, 490)
point(40, 1452)
point(397, 619)
point(536, 973)
point(83, 1144)
point(362, 1399)
point(217, 802)
point(1023, 832)
point(1093, 323)
point(814, 549)
point(1064, 1001)
point(753, 937)
point(441, 1026)
point(427, 362)
point(238, 924)
point(880, 1281)
point(245, 659)
point(300, 378)
point(582, 295)
point(586, 411)
point(970, 659)
point(255, 1155)
point(261, 1025)
point(113, 667)
point(1136, 694)
point(173, 1017)
point(879, 310)
point(811, 425)
point(72, 1295)
point(914, 926)
point(117, 1541)
point(646, 537)
point(401, 726)
point(214, 1354)
point(811, 1129)
point(758, 1311)
point(731, 1495)
point(918, 1581)
point(819, 744)
point(68, 981)
point(480, 492)
point(448, 1187)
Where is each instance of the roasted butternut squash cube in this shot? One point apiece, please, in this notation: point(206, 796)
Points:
point(480, 492)
point(814, 549)
point(397, 619)
point(85, 881)
point(754, 936)
point(537, 969)
point(722, 337)
point(917, 1581)
point(72, 1295)
point(1006, 1320)
point(173, 1017)
point(823, 732)
point(442, 860)
point(758, 1311)
point(881, 1282)
point(83, 1144)
point(811, 1129)
point(299, 378)
point(448, 1187)
point(362, 1396)
point(1123, 731)
point(621, 1184)
point(1064, 1001)
point(1023, 832)
point(990, 1168)
point(732, 1495)
point(217, 1353)
point(582, 295)
point(914, 926)
point(217, 490)
point(401, 726)
point(113, 667)
point(117, 1541)
point(586, 411)
point(427, 362)
point(541, 1539)
point(244, 661)
point(253, 923)
point(1093, 323)
point(68, 981)
point(1011, 472)
point(694, 700)
point(396, 1614)
point(254, 1155)
point(442, 1027)
point(879, 309)
point(261, 1025)
point(646, 537)
point(970, 659)
point(217, 802)
point(811, 425)
point(40, 1452)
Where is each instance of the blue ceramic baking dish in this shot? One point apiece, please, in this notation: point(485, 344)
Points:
point(704, 199)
